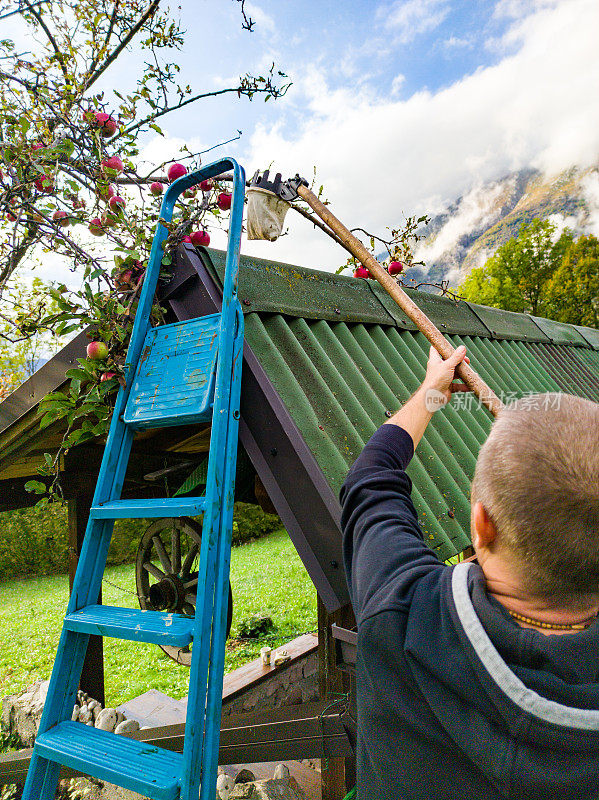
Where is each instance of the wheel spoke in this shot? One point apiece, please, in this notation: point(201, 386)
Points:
point(189, 559)
point(188, 608)
point(190, 584)
point(190, 598)
point(162, 555)
point(176, 549)
point(153, 570)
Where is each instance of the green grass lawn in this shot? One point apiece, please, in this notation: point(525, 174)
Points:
point(267, 576)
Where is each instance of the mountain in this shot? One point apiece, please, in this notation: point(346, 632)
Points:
point(469, 231)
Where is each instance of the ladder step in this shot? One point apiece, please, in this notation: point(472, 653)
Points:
point(176, 375)
point(151, 771)
point(140, 509)
point(155, 627)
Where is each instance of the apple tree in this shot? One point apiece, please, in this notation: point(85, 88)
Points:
point(72, 183)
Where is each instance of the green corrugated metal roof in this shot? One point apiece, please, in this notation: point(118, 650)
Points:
point(340, 355)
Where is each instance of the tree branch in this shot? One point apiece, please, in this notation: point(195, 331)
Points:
point(116, 53)
point(94, 61)
point(51, 39)
point(320, 225)
point(182, 103)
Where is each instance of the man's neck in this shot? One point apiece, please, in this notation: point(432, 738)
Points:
point(508, 591)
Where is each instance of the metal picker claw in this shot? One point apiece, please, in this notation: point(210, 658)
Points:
point(286, 190)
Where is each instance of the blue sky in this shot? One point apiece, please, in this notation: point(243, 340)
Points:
point(392, 49)
point(400, 106)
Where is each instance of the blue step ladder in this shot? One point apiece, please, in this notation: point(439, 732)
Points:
point(176, 374)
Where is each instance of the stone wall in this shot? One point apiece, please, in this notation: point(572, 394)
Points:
point(288, 686)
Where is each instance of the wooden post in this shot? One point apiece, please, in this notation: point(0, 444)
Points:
point(338, 775)
point(92, 676)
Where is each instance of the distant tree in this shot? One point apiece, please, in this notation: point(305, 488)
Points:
point(572, 293)
point(516, 277)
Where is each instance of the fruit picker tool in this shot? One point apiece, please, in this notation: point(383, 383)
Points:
point(268, 202)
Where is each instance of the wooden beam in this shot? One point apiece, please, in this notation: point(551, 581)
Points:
point(92, 675)
point(338, 774)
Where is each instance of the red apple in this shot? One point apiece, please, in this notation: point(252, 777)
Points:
point(112, 166)
point(224, 201)
point(105, 191)
point(361, 272)
point(395, 267)
point(95, 227)
point(156, 188)
point(106, 376)
point(117, 204)
point(176, 171)
point(205, 186)
point(108, 220)
point(123, 278)
point(106, 124)
point(187, 239)
point(200, 238)
point(45, 183)
point(62, 218)
point(97, 351)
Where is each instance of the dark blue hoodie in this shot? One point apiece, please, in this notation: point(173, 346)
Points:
point(455, 700)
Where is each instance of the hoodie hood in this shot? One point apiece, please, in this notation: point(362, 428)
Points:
point(523, 704)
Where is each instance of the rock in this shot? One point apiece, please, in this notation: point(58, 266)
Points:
point(107, 719)
point(21, 712)
point(281, 771)
point(294, 698)
point(127, 726)
point(283, 789)
point(245, 776)
point(224, 787)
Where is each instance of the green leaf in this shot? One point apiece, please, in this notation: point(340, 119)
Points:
point(79, 374)
point(35, 486)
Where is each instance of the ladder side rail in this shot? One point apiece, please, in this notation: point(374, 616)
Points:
point(221, 596)
point(196, 705)
point(42, 777)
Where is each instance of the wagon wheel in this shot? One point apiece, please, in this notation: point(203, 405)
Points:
point(166, 573)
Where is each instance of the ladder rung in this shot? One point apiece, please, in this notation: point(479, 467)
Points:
point(151, 771)
point(140, 509)
point(155, 627)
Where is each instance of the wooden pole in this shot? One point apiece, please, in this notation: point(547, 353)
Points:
point(92, 675)
point(485, 394)
point(338, 775)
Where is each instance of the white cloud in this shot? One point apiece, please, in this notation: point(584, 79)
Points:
point(590, 191)
point(396, 85)
point(478, 208)
point(264, 22)
point(457, 42)
point(413, 17)
point(539, 106)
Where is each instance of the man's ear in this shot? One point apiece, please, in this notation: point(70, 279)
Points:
point(483, 527)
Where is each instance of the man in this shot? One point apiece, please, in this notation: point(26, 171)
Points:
point(480, 681)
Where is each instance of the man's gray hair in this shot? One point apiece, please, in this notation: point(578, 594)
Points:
point(537, 475)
